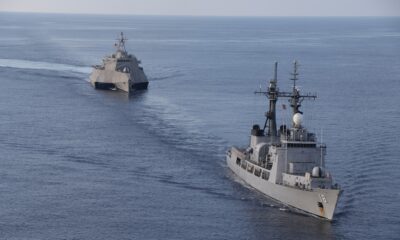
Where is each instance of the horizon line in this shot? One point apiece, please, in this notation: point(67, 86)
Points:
point(195, 15)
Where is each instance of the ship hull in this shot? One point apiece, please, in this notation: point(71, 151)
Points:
point(318, 202)
point(107, 80)
point(140, 86)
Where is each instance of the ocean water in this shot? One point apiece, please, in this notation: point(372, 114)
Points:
point(78, 163)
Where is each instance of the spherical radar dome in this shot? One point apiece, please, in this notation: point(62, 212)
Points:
point(298, 119)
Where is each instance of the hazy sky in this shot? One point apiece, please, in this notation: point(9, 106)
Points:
point(211, 7)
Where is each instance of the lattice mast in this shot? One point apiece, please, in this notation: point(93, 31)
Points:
point(273, 93)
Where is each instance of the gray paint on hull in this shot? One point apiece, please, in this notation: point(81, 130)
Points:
point(303, 200)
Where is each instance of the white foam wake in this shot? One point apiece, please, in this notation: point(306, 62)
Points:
point(25, 64)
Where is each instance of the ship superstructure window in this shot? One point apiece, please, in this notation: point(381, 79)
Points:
point(250, 168)
point(265, 175)
point(301, 145)
point(244, 165)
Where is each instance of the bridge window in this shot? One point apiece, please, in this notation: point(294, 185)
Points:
point(301, 145)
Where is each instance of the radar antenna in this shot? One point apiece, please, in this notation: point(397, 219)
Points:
point(295, 98)
point(273, 93)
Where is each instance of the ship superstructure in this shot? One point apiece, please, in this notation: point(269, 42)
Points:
point(119, 71)
point(287, 164)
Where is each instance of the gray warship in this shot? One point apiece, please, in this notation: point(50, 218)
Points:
point(119, 71)
point(288, 164)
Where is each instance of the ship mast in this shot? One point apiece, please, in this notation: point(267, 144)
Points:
point(295, 98)
point(273, 93)
point(121, 43)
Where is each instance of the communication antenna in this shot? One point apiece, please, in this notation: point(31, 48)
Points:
point(272, 93)
point(295, 73)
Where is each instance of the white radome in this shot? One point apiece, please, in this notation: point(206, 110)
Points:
point(298, 119)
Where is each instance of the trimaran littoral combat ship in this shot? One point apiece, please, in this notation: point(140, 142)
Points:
point(287, 165)
point(119, 71)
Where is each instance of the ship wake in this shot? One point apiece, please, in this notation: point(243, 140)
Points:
point(37, 65)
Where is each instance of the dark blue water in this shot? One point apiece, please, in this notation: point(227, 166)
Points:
point(76, 163)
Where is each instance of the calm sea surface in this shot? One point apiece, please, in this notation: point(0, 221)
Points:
point(77, 163)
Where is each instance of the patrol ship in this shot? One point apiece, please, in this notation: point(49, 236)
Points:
point(119, 71)
point(288, 164)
